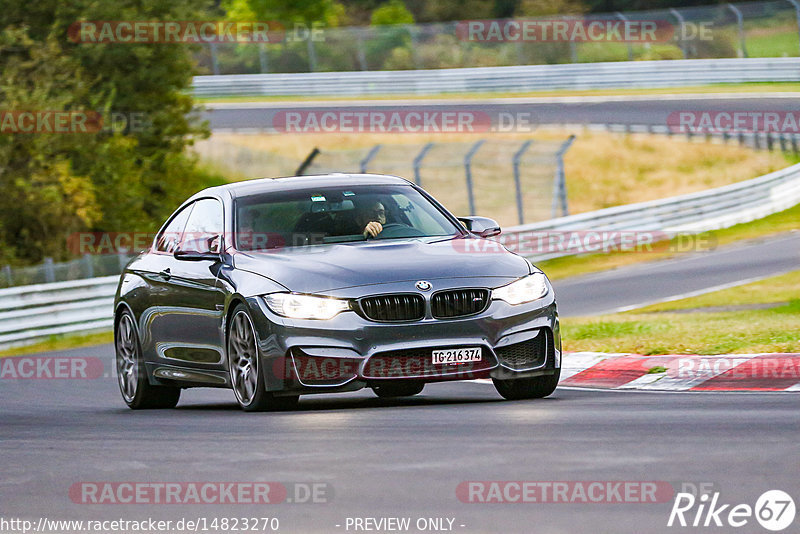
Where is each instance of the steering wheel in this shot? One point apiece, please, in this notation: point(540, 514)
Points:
point(391, 230)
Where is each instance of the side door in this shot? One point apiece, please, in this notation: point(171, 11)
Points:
point(193, 312)
point(155, 269)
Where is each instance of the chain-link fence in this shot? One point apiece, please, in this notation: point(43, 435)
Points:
point(751, 29)
point(511, 181)
point(88, 266)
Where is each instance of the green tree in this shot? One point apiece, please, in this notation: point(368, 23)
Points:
point(392, 12)
point(125, 180)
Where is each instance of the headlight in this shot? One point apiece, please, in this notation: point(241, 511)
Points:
point(305, 306)
point(525, 289)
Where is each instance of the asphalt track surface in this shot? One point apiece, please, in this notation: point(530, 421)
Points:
point(639, 110)
point(405, 458)
point(685, 274)
point(402, 458)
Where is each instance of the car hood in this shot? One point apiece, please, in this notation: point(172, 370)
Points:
point(324, 268)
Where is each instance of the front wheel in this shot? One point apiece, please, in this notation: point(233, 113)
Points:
point(527, 388)
point(243, 361)
point(137, 392)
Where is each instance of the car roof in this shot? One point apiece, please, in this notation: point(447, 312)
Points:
point(265, 185)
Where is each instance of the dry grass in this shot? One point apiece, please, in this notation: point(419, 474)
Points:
point(602, 169)
point(605, 170)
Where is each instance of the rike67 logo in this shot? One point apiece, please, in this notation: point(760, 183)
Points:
point(774, 510)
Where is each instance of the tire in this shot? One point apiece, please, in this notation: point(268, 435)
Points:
point(398, 389)
point(136, 390)
point(527, 388)
point(247, 381)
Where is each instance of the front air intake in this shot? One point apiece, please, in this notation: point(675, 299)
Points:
point(459, 302)
point(392, 308)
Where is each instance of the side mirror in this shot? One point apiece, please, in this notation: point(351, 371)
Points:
point(481, 226)
point(193, 255)
point(200, 249)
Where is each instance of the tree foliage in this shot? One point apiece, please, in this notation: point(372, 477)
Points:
point(124, 179)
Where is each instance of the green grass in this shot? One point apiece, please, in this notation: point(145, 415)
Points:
point(774, 329)
point(775, 45)
point(779, 289)
point(771, 330)
point(61, 342)
point(565, 267)
point(753, 87)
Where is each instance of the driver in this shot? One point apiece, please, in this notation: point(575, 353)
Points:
point(371, 218)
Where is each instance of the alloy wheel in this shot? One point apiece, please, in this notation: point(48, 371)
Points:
point(127, 356)
point(243, 356)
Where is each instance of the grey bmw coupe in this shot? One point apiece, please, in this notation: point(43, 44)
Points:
point(277, 288)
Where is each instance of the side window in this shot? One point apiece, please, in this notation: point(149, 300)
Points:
point(204, 227)
point(170, 236)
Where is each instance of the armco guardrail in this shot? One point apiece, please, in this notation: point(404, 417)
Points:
point(36, 312)
point(663, 73)
point(712, 209)
point(30, 313)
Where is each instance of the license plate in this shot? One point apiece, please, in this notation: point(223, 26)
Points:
point(456, 356)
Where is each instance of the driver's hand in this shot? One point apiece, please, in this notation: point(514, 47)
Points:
point(373, 228)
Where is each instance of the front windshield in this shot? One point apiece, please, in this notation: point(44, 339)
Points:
point(340, 214)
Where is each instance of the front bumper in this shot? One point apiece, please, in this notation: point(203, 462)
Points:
point(350, 352)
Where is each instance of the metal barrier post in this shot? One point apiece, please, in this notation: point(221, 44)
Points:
point(412, 32)
point(306, 162)
point(517, 182)
point(560, 187)
point(418, 163)
point(87, 261)
point(362, 56)
point(625, 19)
point(49, 270)
point(740, 22)
point(9, 275)
point(796, 5)
point(468, 170)
point(122, 256)
point(682, 23)
point(263, 59)
point(312, 55)
point(371, 154)
point(214, 63)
